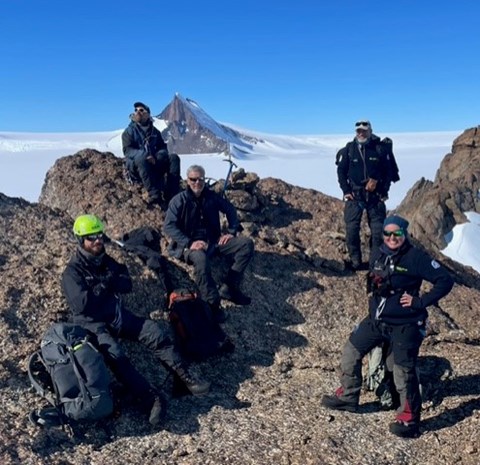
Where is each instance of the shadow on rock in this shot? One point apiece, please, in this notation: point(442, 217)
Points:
point(466, 385)
point(437, 384)
point(262, 336)
point(280, 214)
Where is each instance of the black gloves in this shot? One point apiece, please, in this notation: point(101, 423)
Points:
point(103, 283)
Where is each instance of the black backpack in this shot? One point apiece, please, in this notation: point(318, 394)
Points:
point(197, 334)
point(386, 145)
point(70, 373)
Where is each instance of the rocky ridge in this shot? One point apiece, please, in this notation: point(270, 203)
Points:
point(265, 402)
point(436, 207)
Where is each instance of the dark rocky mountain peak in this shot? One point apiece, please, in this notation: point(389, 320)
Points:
point(191, 130)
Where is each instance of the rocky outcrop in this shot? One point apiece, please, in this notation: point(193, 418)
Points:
point(265, 402)
point(434, 208)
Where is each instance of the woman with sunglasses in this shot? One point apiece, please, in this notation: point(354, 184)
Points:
point(397, 316)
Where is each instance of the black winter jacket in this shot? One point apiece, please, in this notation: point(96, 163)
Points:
point(184, 213)
point(354, 168)
point(90, 285)
point(137, 143)
point(403, 271)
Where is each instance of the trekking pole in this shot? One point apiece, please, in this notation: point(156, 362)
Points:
point(229, 174)
point(115, 241)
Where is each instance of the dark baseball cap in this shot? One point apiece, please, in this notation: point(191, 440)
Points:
point(142, 105)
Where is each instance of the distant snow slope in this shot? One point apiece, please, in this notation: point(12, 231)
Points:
point(463, 242)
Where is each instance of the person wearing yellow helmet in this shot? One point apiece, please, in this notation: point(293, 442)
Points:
point(88, 230)
point(92, 284)
point(87, 224)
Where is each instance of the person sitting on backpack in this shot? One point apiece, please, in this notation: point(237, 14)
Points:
point(364, 175)
point(147, 157)
point(92, 283)
point(397, 315)
point(193, 224)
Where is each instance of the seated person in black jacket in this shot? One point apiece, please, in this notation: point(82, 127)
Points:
point(193, 224)
point(92, 283)
point(147, 157)
point(398, 315)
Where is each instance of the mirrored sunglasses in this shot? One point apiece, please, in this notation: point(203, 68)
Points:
point(93, 237)
point(397, 233)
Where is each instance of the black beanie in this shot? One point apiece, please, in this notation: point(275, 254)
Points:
point(140, 104)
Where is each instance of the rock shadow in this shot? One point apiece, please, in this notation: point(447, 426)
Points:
point(280, 214)
point(442, 385)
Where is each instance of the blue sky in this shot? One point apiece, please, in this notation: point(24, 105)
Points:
point(285, 67)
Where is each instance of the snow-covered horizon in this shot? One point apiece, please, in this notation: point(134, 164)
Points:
point(291, 158)
point(303, 160)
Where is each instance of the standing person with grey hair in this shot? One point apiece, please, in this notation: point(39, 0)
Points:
point(365, 168)
point(193, 224)
point(147, 157)
point(397, 316)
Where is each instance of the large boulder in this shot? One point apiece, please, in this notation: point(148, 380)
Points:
point(434, 208)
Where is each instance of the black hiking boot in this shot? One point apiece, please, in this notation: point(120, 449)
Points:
point(184, 382)
point(46, 417)
point(158, 410)
point(405, 430)
point(154, 201)
point(230, 289)
point(218, 313)
point(335, 403)
point(227, 346)
point(234, 294)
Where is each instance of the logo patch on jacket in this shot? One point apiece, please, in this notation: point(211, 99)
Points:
point(435, 264)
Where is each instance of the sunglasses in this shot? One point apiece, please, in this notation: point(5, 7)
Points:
point(93, 237)
point(397, 233)
point(140, 110)
point(362, 123)
point(194, 180)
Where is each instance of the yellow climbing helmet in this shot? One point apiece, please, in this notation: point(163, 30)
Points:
point(87, 224)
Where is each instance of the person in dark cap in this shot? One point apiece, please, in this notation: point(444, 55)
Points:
point(397, 316)
point(364, 170)
point(147, 158)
